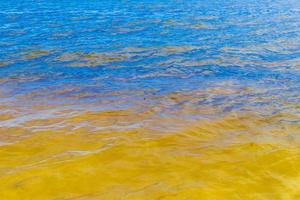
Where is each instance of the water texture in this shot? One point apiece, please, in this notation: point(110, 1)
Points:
point(150, 99)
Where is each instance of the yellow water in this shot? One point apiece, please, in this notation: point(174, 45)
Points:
point(235, 156)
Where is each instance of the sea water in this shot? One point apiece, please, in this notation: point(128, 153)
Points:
point(161, 99)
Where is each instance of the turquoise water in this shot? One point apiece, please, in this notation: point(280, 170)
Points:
point(154, 67)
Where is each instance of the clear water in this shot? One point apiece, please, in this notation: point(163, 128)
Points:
point(150, 99)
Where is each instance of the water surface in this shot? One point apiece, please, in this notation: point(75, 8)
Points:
point(150, 99)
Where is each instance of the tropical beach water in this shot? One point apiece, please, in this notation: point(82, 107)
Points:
point(150, 99)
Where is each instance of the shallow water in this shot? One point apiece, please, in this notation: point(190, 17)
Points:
point(150, 99)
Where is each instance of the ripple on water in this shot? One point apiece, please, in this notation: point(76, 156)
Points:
point(195, 160)
point(149, 100)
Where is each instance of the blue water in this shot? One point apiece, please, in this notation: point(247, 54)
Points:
point(127, 52)
point(149, 99)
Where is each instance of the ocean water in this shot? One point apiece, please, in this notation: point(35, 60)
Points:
point(161, 99)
